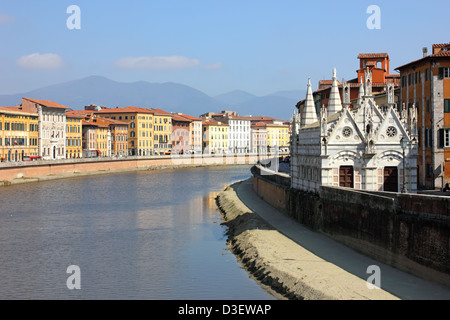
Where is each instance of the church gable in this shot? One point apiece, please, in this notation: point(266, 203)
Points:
point(391, 130)
point(345, 130)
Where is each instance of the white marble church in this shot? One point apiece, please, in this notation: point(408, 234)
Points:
point(358, 148)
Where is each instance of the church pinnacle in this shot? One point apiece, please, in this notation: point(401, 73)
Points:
point(309, 114)
point(334, 102)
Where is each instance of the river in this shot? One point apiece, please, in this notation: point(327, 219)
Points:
point(153, 235)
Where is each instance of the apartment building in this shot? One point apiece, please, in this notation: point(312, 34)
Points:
point(51, 127)
point(425, 86)
point(19, 134)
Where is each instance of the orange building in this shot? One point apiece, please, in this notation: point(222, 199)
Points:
point(118, 131)
point(425, 85)
point(377, 63)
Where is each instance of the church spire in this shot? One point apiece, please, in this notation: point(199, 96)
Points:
point(309, 114)
point(334, 102)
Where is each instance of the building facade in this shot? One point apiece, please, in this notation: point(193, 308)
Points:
point(358, 148)
point(239, 131)
point(51, 126)
point(74, 135)
point(19, 134)
point(259, 142)
point(425, 85)
point(215, 137)
point(140, 127)
point(180, 137)
point(162, 128)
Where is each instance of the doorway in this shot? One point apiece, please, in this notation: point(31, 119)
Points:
point(390, 179)
point(346, 176)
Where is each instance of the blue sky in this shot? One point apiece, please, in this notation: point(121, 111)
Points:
point(212, 45)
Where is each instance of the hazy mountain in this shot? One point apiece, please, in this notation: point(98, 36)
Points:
point(171, 97)
point(278, 105)
point(235, 97)
point(76, 94)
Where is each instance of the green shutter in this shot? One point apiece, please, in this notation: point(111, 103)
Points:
point(447, 105)
point(441, 73)
point(441, 138)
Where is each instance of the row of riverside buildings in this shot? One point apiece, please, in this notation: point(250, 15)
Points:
point(378, 131)
point(50, 131)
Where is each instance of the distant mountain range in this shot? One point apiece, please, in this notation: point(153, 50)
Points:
point(171, 97)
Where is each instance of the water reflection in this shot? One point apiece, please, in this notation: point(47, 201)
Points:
point(144, 235)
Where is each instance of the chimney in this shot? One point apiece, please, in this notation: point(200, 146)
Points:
point(425, 51)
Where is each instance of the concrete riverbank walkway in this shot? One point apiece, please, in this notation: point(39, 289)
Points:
point(400, 284)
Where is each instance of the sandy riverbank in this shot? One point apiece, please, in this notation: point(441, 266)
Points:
point(283, 265)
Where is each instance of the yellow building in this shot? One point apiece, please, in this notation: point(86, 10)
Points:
point(19, 134)
point(103, 139)
point(278, 136)
point(140, 127)
point(215, 136)
point(74, 135)
point(162, 129)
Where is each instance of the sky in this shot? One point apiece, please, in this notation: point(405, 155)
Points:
point(215, 46)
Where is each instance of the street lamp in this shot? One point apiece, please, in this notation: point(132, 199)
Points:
point(404, 144)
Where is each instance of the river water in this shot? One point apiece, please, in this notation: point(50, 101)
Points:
point(143, 235)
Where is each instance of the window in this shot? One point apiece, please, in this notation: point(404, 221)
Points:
point(428, 138)
point(446, 105)
point(445, 135)
point(444, 73)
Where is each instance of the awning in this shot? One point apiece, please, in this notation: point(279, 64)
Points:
point(99, 152)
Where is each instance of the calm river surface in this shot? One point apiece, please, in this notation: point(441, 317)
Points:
point(142, 235)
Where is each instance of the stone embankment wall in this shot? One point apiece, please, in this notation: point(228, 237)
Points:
point(17, 172)
point(408, 231)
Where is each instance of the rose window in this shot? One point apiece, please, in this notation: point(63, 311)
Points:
point(391, 132)
point(347, 132)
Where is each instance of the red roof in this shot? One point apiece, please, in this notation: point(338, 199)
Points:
point(46, 103)
point(440, 54)
point(441, 45)
point(179, 117)
point(125, 110)
point(160, 112)
point(17, 109)
point(373, 55)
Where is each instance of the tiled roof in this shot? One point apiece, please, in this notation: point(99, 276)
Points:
point(160, 112)
point(264, 118)
point(212, 122)
point(15, 110)
point(179, 117)
point(373, 55)
point(441, 45)
point(191, 117)
point(46, 103)
point(440, 54)
point(107, 122)
point(75, 114)
point(124, 110)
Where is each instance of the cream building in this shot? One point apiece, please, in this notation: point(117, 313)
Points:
point(51, 125)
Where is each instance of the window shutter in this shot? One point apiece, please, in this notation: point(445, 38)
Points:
point(441, 73)
point(441, 138)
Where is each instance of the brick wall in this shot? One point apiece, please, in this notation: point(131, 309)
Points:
point(408, 231)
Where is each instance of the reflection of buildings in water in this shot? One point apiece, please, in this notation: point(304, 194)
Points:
point(210, 202)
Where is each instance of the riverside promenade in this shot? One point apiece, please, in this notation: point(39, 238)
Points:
point(324, 266)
